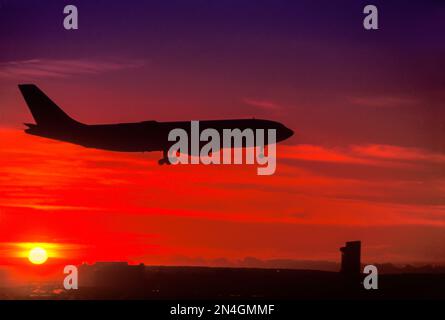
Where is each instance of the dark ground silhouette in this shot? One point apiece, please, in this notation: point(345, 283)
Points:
point(120, 281)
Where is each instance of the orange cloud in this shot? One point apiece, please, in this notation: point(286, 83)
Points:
point(60, 193)
point(370, 154)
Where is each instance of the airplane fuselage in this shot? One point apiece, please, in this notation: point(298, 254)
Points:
point(147, 135)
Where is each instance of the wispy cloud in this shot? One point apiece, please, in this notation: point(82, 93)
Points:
point(372, 154)
point(52, 68)
point(262, 104)
point(380, 101)
point(391, 152)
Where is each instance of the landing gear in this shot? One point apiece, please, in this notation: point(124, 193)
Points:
point(165, 159)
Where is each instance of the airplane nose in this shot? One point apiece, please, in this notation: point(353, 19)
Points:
point(284, 133)
point(288, 133)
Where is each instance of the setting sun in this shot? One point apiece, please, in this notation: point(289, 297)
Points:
point(38, 255)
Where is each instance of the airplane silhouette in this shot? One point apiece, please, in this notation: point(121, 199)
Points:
point(53, 123)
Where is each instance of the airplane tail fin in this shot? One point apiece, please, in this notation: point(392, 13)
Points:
point(43, 109)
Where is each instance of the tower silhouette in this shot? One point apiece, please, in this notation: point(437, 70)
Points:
point(350, 259)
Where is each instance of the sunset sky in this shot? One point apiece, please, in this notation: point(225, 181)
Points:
point(367, 107)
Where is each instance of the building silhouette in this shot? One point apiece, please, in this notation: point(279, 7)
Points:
point(112, 275)
point(350, 259)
